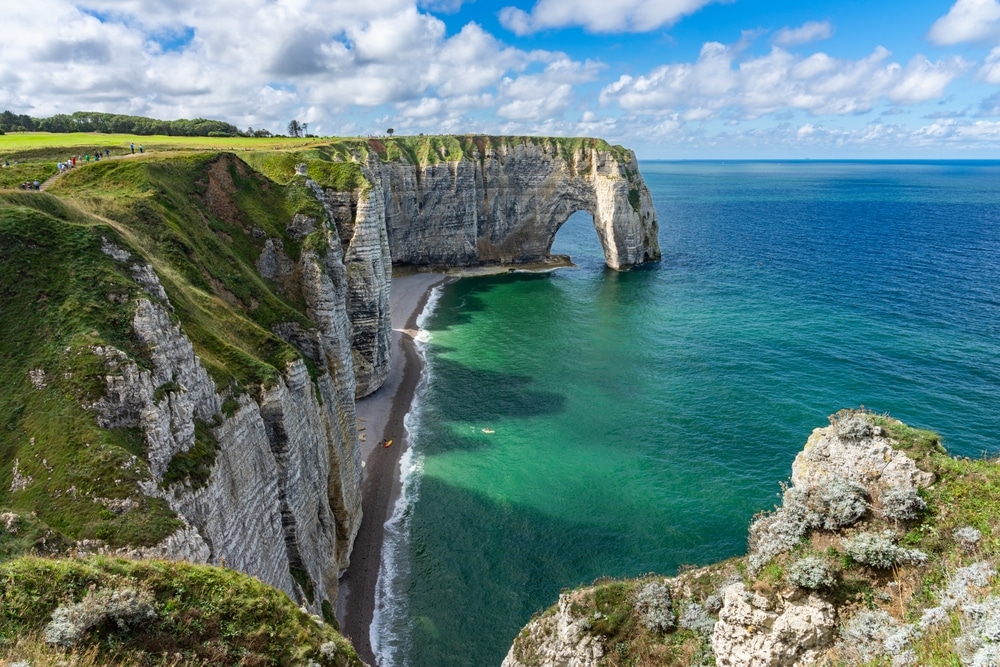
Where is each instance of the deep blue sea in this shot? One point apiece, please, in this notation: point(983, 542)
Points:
point(588, 423)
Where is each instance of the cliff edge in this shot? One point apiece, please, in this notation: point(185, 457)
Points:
point(184, 335)
point(884, 551)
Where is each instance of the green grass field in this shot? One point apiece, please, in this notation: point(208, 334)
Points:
point(33, 155)
point(15, 142)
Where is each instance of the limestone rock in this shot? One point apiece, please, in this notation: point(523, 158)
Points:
point(558, 640)
point(870, 461)
point(506, 206)
point(359, 222)
point(284, 491)
point(754, 631)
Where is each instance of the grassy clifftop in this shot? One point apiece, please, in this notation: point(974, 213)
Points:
point(102, 611)
point(201, 220)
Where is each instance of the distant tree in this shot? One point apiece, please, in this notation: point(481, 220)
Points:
point(8, 120)
point(305, 129)
point(390, 131)
point(294, 129)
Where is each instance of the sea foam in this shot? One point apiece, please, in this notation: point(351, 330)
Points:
point(389, 633)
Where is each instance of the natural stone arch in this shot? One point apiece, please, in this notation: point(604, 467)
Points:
point(506, 206)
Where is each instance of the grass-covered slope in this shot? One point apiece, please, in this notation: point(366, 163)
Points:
point(102, 611)
point(59, 295)
point(911, 579)
point(201, 220)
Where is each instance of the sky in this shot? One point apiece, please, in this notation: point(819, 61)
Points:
point(672, 79)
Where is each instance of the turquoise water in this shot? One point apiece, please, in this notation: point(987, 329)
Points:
point(639, 420)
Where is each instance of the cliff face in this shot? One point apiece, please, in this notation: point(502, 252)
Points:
point(504, 203)
point(187, 339)
point(282, 495)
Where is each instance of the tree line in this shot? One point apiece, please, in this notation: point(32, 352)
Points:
point(110, 123)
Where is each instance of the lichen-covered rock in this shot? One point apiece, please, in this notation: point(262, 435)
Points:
point(757, 631)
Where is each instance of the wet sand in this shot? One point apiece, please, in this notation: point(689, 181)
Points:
point(381, 416)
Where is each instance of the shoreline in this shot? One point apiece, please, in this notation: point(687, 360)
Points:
point(380, 416)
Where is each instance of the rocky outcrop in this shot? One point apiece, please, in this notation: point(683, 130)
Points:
point(504, 204)
point(858, 451)
point(559, 639)
point(756, 631)
point(858, 492)
point(282, 496)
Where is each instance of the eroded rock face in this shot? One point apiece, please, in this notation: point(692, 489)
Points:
point(284, 490)
point(559, 640)
point(359, 221)
point(506, 206)
point(869, 460)
point(755, 631)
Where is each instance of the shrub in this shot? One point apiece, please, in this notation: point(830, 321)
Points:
point(963, 583)
point(774, 533)
point(695, 617)
point(865, 634)
point(968, 536)
point(834, 504)
point(126, 607)
point(839, 502)
point(852, 425)
point(653, 602)
point(880, 551)
point(811, 572)
point(901, 503)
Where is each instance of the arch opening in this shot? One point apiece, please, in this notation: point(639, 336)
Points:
point(578, 239)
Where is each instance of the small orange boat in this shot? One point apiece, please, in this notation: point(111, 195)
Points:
point(387, 443)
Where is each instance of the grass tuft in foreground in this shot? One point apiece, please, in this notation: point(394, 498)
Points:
point(155, 613)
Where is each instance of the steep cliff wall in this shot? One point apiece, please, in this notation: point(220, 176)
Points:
point(199, 344)
point(504, 200)
point(281, 493)
point(447, 202)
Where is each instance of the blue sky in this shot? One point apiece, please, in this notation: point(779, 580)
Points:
point(673, 79)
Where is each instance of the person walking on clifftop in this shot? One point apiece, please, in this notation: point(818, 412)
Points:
point(132, 146)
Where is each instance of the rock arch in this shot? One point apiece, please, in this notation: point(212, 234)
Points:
point(505, 207)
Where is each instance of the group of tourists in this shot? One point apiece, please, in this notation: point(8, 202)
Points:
point(71, 162)
point(77, 159)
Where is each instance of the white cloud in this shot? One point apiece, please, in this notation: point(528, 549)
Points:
point(990, 71)
point(751, 87)
point(257, 62)
point(967, 21)
point(809, 31)
point(535, 97)
point(599, 15)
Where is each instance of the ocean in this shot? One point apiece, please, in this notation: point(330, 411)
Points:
point(586, 423)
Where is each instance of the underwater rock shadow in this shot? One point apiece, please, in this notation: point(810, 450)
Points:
point(499, 562)
point(475, 395)
point(463, 298)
